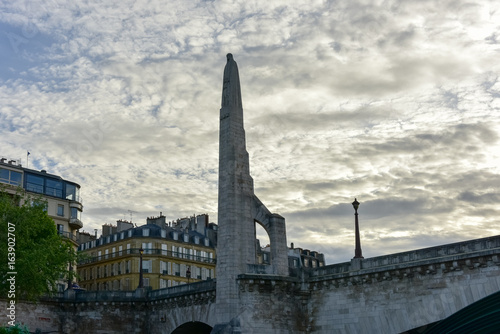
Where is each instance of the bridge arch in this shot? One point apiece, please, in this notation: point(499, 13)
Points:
point(193, 327)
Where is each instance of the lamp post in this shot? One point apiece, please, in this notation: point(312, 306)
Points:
point(357, 252)
point(141, 284)
point(188, 273)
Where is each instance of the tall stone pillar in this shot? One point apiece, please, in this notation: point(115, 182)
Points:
point(238, 210)
point(236, 232)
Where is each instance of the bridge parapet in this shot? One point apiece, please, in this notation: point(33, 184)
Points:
point(470, 254)
point(206, 288)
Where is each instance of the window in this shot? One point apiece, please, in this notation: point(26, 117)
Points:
point(163, 283)
point(34, 183)
point(164, 250)
point(197, 271)
point(147, 266)
point(60, 210)
point(106, 252)
point(146, 281)
point(120, 250)
point(177, 269)
point(164, 267)
point(145, 232)
point(148, 247)
point(53, 187)
point(10, 177)
point(75, 213)
point(72, 192)
point(60, 228)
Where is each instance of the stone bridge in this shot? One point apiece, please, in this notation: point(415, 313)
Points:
point(396, 293)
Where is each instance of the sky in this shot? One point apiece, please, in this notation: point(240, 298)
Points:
point(395, 103)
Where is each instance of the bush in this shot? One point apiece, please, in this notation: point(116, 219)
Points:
point(14, 330)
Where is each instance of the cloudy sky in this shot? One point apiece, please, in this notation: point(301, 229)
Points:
point(396, 103)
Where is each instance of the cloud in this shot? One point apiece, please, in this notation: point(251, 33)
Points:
point(395, 103)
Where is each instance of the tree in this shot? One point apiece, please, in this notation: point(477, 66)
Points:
point(42, 256)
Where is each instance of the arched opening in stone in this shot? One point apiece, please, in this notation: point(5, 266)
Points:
point(262, 244)
point(193, 327)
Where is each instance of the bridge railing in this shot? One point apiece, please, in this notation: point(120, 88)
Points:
point(104, 295)
point(146, 294)
point(458, 248)
point(184, 289)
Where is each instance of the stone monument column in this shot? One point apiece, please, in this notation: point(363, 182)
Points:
point(236, 232)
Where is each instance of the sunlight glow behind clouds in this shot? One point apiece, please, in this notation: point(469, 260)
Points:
point(396, 104)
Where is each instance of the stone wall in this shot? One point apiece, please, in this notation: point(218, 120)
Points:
point(394, 301)
point(115, 312)
point(274, 305)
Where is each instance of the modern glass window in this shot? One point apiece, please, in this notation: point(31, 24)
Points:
point(34, 183)
point(72, 192)
point(60, 210)
point(10, 177)
point(75, 213)
point(53, 187)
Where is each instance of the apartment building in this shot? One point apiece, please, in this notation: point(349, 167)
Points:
point(171, 253)
point(64, 204)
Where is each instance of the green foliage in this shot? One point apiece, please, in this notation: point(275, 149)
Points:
point(14, 330)
point(41, 254)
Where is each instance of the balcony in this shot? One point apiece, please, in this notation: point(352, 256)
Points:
point(67, 235)
point(76, 203)
point(75, 223)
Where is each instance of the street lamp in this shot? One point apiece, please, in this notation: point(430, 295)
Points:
point(188, 273)
point(141, 285)
point(357, 252)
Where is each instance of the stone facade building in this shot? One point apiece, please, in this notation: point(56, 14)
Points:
point(173, 254)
